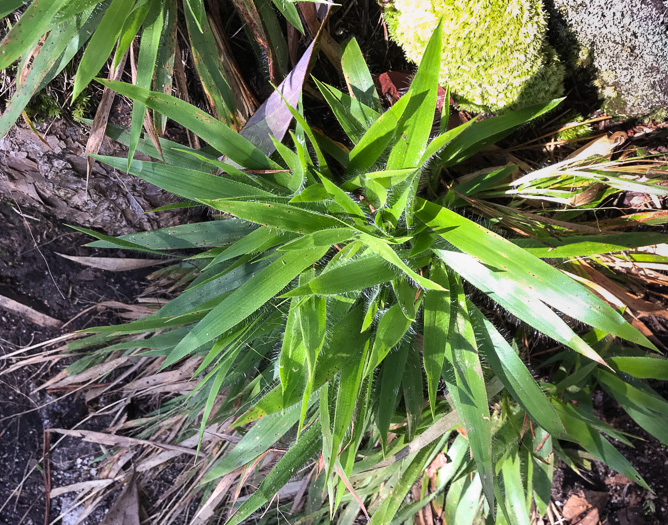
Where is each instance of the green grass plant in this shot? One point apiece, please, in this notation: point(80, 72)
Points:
point(338, 326)
point(329, 320)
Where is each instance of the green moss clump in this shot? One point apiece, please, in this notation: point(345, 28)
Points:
point(495, 56)
point(43, 107)
point(577, 132)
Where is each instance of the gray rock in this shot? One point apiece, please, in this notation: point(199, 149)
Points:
point(620, 46)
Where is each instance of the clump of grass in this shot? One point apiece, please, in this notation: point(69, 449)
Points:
point(322, 317)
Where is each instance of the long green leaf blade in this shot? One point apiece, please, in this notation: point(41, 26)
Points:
point(350, 276)
point(148, 55)
point(436, 323)
point(189, 184)
point(392, 372)
point(261, 436)
point(289, 464)
point(345, 344)
point(184, 236)
point(391, 329)
point(586, 245)
point(372, 145)
point(224, 139)
point(281, 216)
point(63, 41)
point(416, 121)
point(546, 282)
point(643, 367)
point(487, 132)
point(245, 300)
point(100, 45)
point(468, 388)
point(33, 24)
point(514, 375)
point(357, 75)
point(517, 299)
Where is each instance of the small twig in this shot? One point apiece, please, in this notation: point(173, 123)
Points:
point(47, 473)
point(30, 314)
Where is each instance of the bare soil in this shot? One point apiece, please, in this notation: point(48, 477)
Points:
point(32, 273)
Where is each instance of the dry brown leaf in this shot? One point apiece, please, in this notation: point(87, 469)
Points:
point(633, 219)
point(51, 355)
point(162, 378)
point(246, 103)
point(600, 290)
point(575, 505)
point(253, 21)
point(639, 306)
point(619, 479)
point(350, 488)
point(133, 308)
point(329, 46)
point(591, 518)
point(182, 89)
point(599, 147)
point(588, 195)
point(304, 484)
point(125, 510)
point(208, 437)
point(206, 511)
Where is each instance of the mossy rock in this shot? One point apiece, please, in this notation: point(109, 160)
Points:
point(495, 55)
point(618, 47)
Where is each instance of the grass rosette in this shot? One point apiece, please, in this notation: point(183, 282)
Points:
point(323, 319)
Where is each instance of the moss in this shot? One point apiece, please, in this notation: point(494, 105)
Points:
point(658, 115)
point(82, 105)
point(575, 132)
point(43, 107)
point(494, 57)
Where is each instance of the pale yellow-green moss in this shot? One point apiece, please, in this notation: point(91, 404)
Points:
point(494, 52)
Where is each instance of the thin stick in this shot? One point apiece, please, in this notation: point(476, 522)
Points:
point(30, 314)
point(47, 472)
point(42, 344)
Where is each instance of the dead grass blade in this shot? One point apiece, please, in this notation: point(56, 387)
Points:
point(113, 440)
point(101, 118)
point(149, 127)
point(329, 46)
point(94, 373)
point(599, 147)
point(251, 17)
point(243, 97)
point(206, 511)
point(82, 486)
point(125, 510)
point(639, 306)
point(182, 89)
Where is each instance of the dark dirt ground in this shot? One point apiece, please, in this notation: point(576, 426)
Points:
point(32, 273)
